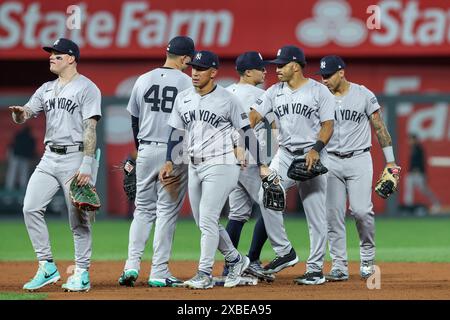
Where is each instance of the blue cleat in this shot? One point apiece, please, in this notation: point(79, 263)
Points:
point(46, 274)
point(78, 282)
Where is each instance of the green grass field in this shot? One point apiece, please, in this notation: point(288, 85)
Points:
point(406, 239)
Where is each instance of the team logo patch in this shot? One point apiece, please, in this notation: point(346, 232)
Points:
point(259, 101)
point(198, 56)
point(323, 64)
point(373, 100)
point(244, 116)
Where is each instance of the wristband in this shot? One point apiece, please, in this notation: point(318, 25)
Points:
point(389, 154)
point(319, 146)
point(86, 165)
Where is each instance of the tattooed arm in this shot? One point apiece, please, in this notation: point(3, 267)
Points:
point(383, 136)
point(89, 143)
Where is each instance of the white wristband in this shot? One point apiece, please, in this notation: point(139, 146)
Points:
point(86, 165)
point(389, 154)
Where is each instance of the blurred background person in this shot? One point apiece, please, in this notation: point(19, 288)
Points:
point(416, 177)
point(20, 159)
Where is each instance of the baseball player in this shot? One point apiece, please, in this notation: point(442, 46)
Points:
point(150, 106)
point(251, 69)
point(209, 113)
point(305, 112)
point(350, 166)
point(71, 105)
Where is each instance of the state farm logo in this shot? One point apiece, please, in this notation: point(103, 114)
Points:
point(399, 22)
point(331, 22)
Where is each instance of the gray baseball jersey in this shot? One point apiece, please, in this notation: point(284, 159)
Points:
point(209, 121)
point(152, 101)
point(65, 109)
point(246, 191)
point(299, 114)
point(352, 125)
point(350, 173)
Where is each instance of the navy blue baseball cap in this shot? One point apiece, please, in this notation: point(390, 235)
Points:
point(63, 45)
point(250, 60)
point(205, 59)
point(330, 65)
point(181, 46)
point(288, 54)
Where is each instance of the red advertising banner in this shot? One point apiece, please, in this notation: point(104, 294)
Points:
point(124, 29)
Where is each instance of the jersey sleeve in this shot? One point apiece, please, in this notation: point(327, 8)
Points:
point(175, 120)
point(263, 105)
point(91, 102)
point(371, 101)
point(133, 103)
point(238, 116)
point(36, 103)
point(327, 104)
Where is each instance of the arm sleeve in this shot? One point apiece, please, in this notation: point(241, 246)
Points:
point(327, 104)
point(252, 144)
point(175, 138)
point(91, 102)
point(135, 128)
point(371, 101)
point(36, 103)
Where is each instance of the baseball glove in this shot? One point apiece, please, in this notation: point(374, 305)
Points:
point(298, 170)
point(387, 184)
point(84, 197)
point(129, 179)
point(274, 195)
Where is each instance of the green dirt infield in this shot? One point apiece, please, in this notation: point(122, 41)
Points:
point(398, 240)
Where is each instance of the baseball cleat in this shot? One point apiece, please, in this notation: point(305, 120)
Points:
point(279, 263)
point(311, 278)
point(235, 271)
point(165, 282)
point(336, 275)
point(255, 269)
point(47, 273)
point(200, 281)
point(78, 282)
point(128, 277)
point(366, 269)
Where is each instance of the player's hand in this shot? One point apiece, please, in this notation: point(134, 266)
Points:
point(18, 110)
point(239, 153)
point(166, 170)
point(264, 171)
point(82, 178)
point(311, 158)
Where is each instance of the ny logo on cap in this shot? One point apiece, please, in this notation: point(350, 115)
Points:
point(198, 56)
point(56, 42)
point(323, 65)
point(279, 52)
point(260, 56)
point(168, 47)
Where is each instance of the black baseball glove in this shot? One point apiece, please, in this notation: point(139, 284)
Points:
point(129, 179)
point(298, 170)
point(274, 196)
